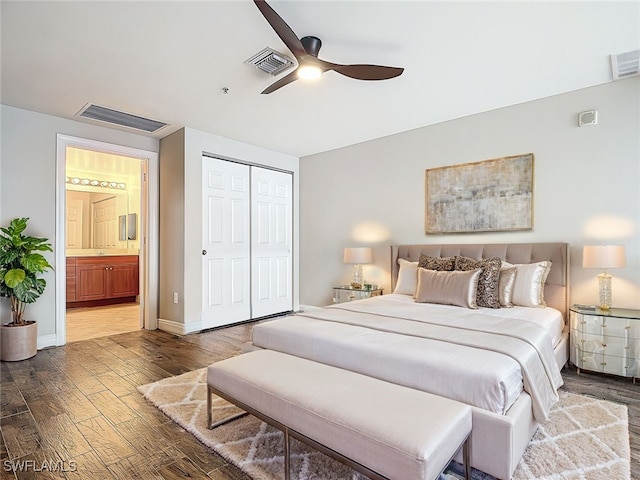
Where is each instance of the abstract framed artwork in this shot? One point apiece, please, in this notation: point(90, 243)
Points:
point(488, 196)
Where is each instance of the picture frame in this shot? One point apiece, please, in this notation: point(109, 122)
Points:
point(488, 196)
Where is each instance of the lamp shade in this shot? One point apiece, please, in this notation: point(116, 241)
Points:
point(357, 255)
point(603, 256)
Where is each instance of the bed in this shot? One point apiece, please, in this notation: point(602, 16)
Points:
point(504, 362)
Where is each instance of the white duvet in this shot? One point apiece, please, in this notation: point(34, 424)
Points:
point(431, 347)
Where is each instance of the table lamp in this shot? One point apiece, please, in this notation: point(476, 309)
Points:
point(603, 256)
point(357, 256)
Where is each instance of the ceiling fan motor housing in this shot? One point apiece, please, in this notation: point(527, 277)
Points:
point(311, 45)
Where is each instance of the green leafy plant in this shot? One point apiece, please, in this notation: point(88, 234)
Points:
point(21, 266)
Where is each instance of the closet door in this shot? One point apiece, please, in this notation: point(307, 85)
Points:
point(271, 240)
point(226, 243)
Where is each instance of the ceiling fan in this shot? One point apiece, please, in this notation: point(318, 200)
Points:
point(306, 50)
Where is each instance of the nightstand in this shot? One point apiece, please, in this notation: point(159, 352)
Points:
point(346, 293)
point(605, 341)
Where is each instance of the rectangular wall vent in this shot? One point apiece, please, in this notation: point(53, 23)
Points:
point(626, 64)
point(270, 61)
point(122, 119)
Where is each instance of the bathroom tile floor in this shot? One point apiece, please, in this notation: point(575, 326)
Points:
point(95, 322)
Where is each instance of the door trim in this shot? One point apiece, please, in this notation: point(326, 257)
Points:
point(149, 248)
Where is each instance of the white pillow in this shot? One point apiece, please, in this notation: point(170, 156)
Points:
point(407, 277)
point(528, 290)
point(506, 282)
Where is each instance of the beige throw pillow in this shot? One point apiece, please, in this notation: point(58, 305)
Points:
point(448, 288)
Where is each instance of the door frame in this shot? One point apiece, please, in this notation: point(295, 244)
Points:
point(149, 224)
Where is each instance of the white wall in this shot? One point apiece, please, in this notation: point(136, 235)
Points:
point(28, 187)
point(587, 188)
point(181, 154)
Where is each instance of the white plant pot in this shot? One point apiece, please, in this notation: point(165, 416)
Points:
point(18, 343)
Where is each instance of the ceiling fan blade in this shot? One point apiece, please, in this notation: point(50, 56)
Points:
point(368, 72)
point(287, 79)
point(283, 30)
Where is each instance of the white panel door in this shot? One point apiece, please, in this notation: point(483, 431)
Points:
point(74, 223)
point(271, 240)
point(104, 223)
point(226, 243)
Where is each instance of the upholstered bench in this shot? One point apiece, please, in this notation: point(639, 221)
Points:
point(378, 428)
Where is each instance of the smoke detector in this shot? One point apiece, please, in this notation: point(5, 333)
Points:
point(270, 61)
point(625, 65)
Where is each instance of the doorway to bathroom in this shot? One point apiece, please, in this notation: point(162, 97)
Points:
point(104, 216)
point(103, 204)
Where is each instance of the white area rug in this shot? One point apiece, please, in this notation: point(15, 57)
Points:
point(584, 439)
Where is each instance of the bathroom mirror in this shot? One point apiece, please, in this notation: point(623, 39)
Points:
point(96, 219)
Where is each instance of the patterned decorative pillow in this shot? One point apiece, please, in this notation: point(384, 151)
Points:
point(436, 263)
point(488, 292)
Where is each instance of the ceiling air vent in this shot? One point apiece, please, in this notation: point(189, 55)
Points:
point(122, 119)
point(270, 61)
point(625, 65)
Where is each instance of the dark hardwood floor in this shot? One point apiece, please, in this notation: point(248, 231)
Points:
point(76, 408)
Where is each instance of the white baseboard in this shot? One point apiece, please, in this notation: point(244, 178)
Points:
point(178, 328)
point(45, 341)
point(306, 308)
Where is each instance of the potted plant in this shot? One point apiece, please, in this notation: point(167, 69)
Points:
point(21, 266)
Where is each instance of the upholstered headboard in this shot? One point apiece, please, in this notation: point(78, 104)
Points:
point(556, 292)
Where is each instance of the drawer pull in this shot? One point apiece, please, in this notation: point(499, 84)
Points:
point(603, 363)
point(582, 341)
point(604, 344)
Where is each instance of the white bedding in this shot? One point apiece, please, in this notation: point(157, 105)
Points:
point(384, 337)
point(549, 318)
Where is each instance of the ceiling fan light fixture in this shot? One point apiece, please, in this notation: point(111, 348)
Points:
point(309, 72)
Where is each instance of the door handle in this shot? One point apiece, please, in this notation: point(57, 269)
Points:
point(204, 252)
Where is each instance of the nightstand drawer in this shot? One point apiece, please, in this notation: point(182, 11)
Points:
point(601, 343)
point(613, 364)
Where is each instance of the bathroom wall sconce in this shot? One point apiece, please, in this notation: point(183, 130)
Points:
point(96, 183)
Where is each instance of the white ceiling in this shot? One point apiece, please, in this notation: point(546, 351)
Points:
point(170, 60)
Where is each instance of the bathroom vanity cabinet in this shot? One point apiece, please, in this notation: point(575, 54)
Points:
point(102, 280)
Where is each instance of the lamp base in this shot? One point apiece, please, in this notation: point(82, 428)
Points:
point(604, 290)
point(357, 280)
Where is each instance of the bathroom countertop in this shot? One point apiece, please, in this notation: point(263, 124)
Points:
point(100, 252)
